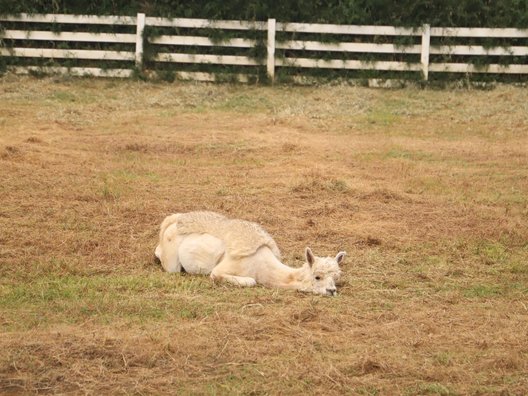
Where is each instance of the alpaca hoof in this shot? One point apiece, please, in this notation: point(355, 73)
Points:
point(214, 278)
point(248, 282)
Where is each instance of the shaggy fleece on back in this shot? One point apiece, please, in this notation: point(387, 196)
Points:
point(242, 238)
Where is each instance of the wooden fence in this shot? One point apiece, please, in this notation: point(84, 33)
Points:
point(421, 52)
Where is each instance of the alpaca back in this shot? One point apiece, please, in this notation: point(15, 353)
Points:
point(242, 238)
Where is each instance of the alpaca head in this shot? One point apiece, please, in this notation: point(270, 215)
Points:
point(324, 273)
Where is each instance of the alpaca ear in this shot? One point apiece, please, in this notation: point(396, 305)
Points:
point(340, 257)
point(310, 258)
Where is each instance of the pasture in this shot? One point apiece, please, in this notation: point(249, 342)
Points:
point(426, 190)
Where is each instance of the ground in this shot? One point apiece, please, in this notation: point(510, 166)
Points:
point(426, 190)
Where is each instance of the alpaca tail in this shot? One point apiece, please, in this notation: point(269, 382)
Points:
point(157, 255)
point(166, 223)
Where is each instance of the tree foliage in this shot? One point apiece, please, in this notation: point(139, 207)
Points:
point(471, 13)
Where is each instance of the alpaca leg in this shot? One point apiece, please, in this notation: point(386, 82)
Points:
point(244, 281)
point(224, 272)
point(169, 256)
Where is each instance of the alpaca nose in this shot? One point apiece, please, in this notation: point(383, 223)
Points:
point(331, 292)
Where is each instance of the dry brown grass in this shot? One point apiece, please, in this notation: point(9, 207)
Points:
point(426, 190)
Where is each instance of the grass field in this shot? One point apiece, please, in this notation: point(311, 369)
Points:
point(426, 190)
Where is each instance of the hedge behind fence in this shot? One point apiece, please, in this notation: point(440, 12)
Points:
point(467, 13)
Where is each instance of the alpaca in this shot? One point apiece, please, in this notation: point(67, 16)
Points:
point(239, 252)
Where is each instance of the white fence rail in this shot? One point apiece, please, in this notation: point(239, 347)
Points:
point(22, 37)
point(173, 50)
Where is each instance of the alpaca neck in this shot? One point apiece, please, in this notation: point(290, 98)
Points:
point(302, 278)
point(271, 272)
point(293, 278)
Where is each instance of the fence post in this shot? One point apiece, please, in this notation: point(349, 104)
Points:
point(140, 27)
point(271, 49)
point(426, 41)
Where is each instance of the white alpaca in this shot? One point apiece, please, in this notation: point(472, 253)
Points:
point(239, 252)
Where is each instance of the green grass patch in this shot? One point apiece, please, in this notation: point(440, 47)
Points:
point(491, 252)
point(427, 184)
point(244, 103)
point(400, 153)
point(367, 391)
point(121, 182)
point(483, 291)
point(104, 298)
point(318, 183)
point(444, 358)
point(389, 111)
point(518, 268)
point(382, 117)
point(434, 388)
point(64, 96)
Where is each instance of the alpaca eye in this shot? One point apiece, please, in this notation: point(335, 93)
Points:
point(318, 278)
